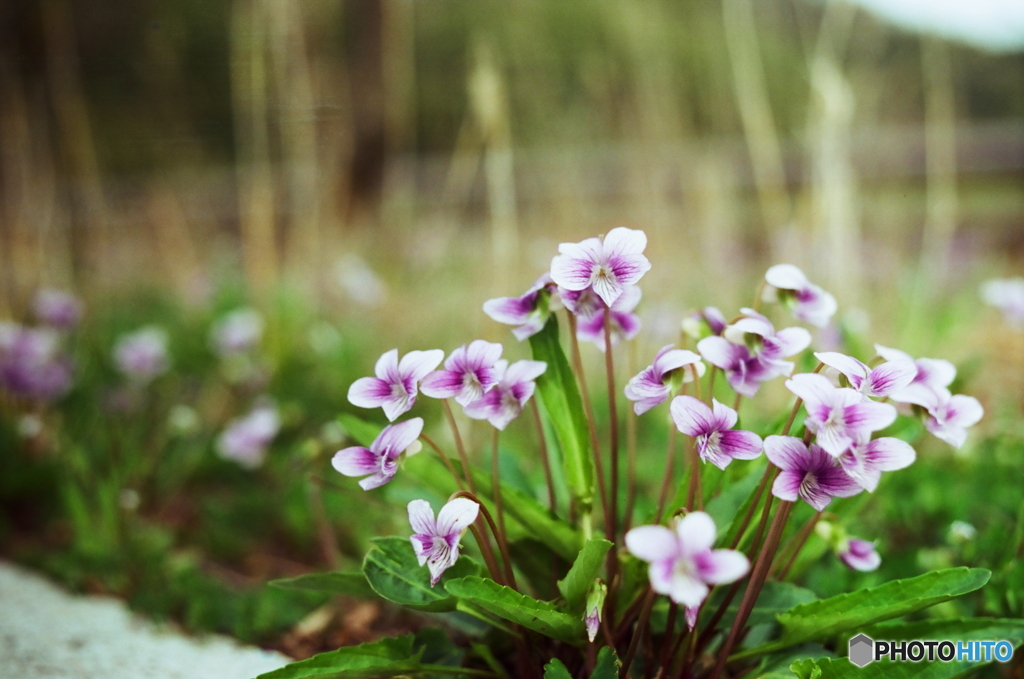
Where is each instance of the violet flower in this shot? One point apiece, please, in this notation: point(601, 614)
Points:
point(1007, 295)
point(717, 443)
point(682, 563)
point(934, 375)
point(32, 363)
point(436, 543)
point(808, 302)
point(607, 265)
point(395, 387)
point(57, 308)
point(506, 400)
point(624, 324)
point(238, 332)
point(468, 373)
point(860, 555)
point(811, 474)
point(380, 460)
point(838, 417)
point(593, 609)
point(709, 322)
point(751, 351)
point(881, 382)
point(864, 462)
point(142, 356)
point(950, 416)
point(653, 385)
point(529, 312)
point(245, 440)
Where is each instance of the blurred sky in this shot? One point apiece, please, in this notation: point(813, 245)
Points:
point(996, 25)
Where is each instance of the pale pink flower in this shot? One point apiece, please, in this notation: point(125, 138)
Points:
point(245, 439)
point(508, 397)
point(1007, 295)
point(379, 462)
point(396, 384)
point(653, 385)
point(860, 555)
point(883, 381)
point(931, 381)
point(529, 312)
point(717, 442)
point(682, 563)
point(589, 310)
point(808, 302)
point(436, 543)
point(57, 308)
point(864, 462)
point(949, 417)
point(142, 355)
point(838, 417)
point(808, 473)
point(468, 373)
point(607, 265)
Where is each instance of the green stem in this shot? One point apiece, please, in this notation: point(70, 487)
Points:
point(545, 459)
point(459, 445)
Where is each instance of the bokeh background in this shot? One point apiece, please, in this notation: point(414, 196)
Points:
point(367, 173)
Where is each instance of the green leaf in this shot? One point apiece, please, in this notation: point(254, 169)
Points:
point(777, 665)
point(735, 496)
point(581, 576)
point(539, 521)
point(607, 665)
point(392, 570)
point(361, 431)
point(774, 599)
point(559, 397)
point(820, 619)
point(959, 629)
point(384, 658)
point(806, 669)
point(539, 616)
point(346, 584)
point(556, 669)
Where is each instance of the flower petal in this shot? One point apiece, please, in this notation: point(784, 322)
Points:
point(889, 454)
point(788, 453)
point(624, 241)
point(722, 566)
point(369, 392)
point(787, 485)
point(442, 384)
point(416, 365)
point(356, 461)
point(386, 367)
point(456, 516)
point(722, 353)
point(786, 277)
point(652, 543)
point(793, 340)
point(510, 310)
point(687, 591)
point(741, 445)
point(692, 417)
point(421, 517)
point(724, 416)
point(890, 377)
point(395, 438)
point(696, 532)
point(856, 371)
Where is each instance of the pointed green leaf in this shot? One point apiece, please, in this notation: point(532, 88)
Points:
point(346, 584)
point(361, 431)
point(559, 397)
point(393, 572)
point(607, 665)
point(539, 616)
point(820, 619)
point(894, 599)
point(581, 576)
point(556, 669)
point(384, 658)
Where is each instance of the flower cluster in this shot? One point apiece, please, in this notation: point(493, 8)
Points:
point(245, 439)
point(142, 356)
point(34, 363)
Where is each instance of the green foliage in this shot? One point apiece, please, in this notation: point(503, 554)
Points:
point(560, 399)
point(338, 583)
point(361, 431)
point(607, 665)
point(577, 582)
point(392, 570)
point(539, 616)
point(384, 658)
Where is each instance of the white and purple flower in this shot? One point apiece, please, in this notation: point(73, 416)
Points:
point(808, 302)
point(860, 555)
point(238, 332)
point(436, 543)
point(396, 383)
point(717, 442)
point(707, 322)
point(883, 381)
point(379, 462)
point(57, 308)
point(468, 373)
point(930, 383)
point(1007, 295)
point(653, 386)
point(949, 417)
point(245, 440)
point(864, 462)
point(508, 397)
point(142, 355)
point(529, 312)
point(808, 473)
point(607, 265)
point(838, 417)
point(751, 351)
point(682, 563)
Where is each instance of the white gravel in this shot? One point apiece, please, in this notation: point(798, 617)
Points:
point(48, 633)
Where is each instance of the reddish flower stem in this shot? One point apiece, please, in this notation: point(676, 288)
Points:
point(459, 445)
point(545, 459)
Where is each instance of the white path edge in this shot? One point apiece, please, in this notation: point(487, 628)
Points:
point(47, 633)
